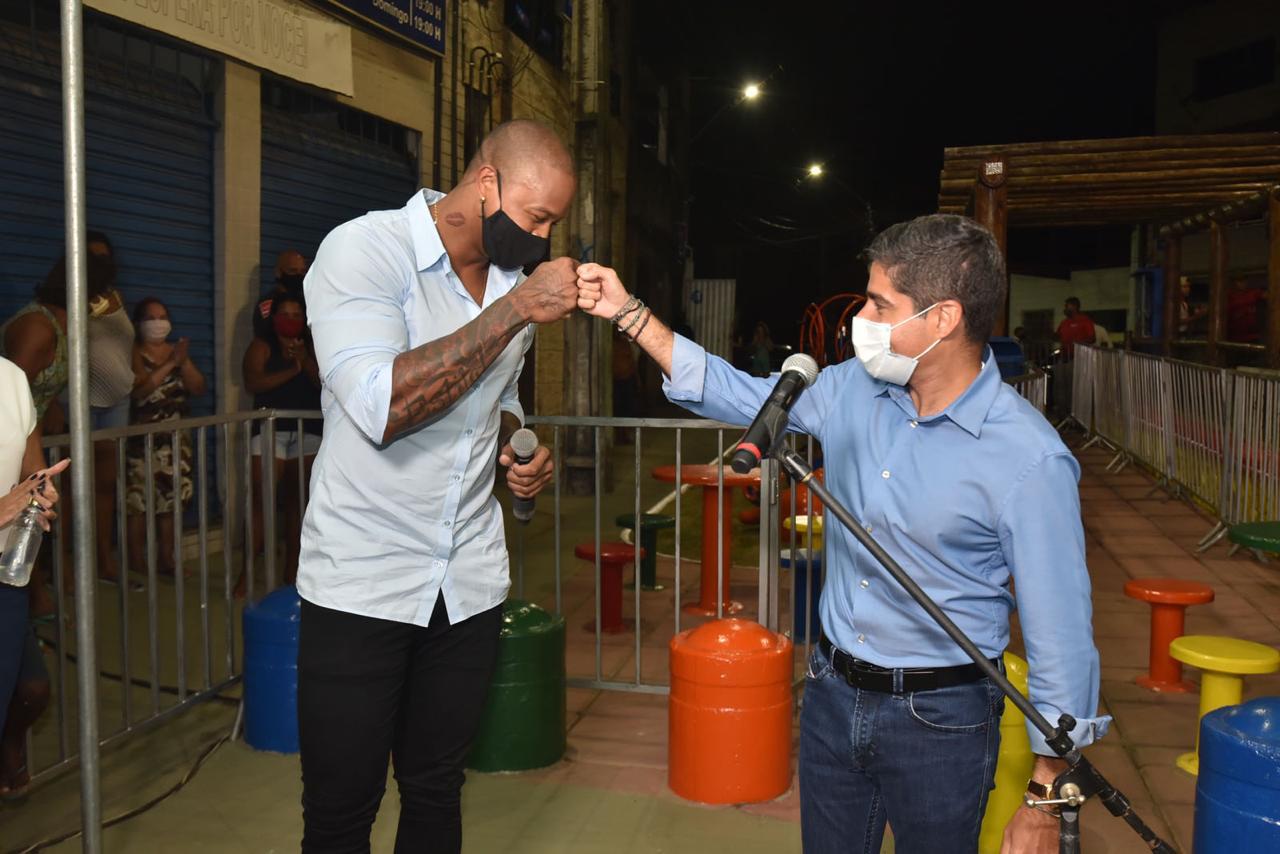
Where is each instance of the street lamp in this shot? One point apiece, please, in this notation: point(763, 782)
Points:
point(748, 93)
point(815, 170)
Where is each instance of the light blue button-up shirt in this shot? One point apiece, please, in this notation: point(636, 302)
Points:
point(968, 501)
point(390, 527)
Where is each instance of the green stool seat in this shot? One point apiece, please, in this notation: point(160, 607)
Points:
point(650, 525)
point(1259, 536)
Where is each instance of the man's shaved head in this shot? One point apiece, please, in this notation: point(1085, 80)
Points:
point(290, 262)
point(522, 151)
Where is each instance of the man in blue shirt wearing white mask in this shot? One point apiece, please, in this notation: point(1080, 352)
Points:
point(968, 487)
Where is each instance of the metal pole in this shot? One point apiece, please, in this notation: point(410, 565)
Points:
point(81, 451)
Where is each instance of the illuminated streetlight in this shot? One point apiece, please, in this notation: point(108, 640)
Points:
point(751, 91)
point(815, 170)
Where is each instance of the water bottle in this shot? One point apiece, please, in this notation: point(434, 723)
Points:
point(24, 544)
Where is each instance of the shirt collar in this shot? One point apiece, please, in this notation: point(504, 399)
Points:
point(969, 410)
point(428, 248)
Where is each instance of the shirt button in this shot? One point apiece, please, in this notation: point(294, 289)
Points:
point(885, 474)
point(867, 528)
point(448, 524)
point(455, 478)
point(864, 584)
point(862, 638)
point(915, 423)
point(438, 564)
point(469, 431)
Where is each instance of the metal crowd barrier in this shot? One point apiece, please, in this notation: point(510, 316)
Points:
point(163, 644)
point(1209, 434)
point(1034, 387)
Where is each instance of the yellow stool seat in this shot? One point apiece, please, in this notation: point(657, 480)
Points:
point(1225, 655)
point(806, 524)
point(1224, 661)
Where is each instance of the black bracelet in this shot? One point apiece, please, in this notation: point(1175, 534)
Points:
point(648, 314)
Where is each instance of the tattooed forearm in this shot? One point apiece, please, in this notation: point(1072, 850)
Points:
point(427, 380)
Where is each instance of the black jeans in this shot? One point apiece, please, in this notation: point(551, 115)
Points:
point(369, 689)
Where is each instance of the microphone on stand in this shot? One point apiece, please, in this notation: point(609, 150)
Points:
point(524, 443)
point(798, 373)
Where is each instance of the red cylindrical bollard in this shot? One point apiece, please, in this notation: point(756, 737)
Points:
point(730, 713)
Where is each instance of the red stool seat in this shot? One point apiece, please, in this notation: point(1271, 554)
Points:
point(1169, 591)
point(613, 557)
point(611, 553)
point(1169, 599)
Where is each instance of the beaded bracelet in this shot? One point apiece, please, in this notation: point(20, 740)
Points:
point(628, 307)
point(640, 313)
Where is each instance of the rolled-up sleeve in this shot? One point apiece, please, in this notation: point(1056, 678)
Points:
point(510, 398)
point(355, 306)
point(709, 386)
point(1043, 542)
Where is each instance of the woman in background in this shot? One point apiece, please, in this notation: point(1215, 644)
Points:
point(167, 378)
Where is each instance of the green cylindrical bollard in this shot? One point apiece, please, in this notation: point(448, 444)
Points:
point(523, 725)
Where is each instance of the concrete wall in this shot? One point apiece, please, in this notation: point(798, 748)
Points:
point(1109, 288)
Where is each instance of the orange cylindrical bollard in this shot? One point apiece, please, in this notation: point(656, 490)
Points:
point(730, 713)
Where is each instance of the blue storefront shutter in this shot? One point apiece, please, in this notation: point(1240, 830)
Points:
point(315, 178)
point(149, 164)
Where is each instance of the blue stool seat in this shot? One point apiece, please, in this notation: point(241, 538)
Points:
point(806, 624)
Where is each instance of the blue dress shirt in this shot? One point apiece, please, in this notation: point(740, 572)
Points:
point(978, 499)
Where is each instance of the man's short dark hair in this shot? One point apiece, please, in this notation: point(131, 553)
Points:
point(1074, 302)
point(946, 257)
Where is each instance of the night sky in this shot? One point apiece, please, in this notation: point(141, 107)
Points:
point(875, 91)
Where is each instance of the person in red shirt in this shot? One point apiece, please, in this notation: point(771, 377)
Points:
point(1075, 329)
point(1243, 304)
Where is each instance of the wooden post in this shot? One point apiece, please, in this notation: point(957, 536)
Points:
point(1273, 282)
point(1217, 289)
point(1173, 291)
point(991, 209)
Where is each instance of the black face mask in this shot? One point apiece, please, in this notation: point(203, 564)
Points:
point(507, 244)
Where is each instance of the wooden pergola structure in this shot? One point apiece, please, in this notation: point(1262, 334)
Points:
point(1177, 185)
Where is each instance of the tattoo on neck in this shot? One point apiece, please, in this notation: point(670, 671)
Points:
point(455, 219)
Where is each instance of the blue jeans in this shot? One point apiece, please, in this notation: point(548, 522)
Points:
point(924, 761)
point(14, 629)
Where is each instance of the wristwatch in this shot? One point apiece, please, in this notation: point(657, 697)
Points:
point(1042, 791)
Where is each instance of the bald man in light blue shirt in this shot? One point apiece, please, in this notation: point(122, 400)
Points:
point(421, 318)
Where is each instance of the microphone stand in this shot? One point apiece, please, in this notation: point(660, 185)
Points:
point(1081, 780)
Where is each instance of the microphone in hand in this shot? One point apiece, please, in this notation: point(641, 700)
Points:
point(524, 444)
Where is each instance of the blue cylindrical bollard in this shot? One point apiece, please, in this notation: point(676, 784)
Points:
point(805, 622)
point(1238, 789)
point(271, 672)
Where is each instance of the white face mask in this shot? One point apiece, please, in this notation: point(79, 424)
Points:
point(871, 345)
point(155, 330)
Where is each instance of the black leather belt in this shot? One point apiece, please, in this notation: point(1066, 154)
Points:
point(871, 677)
